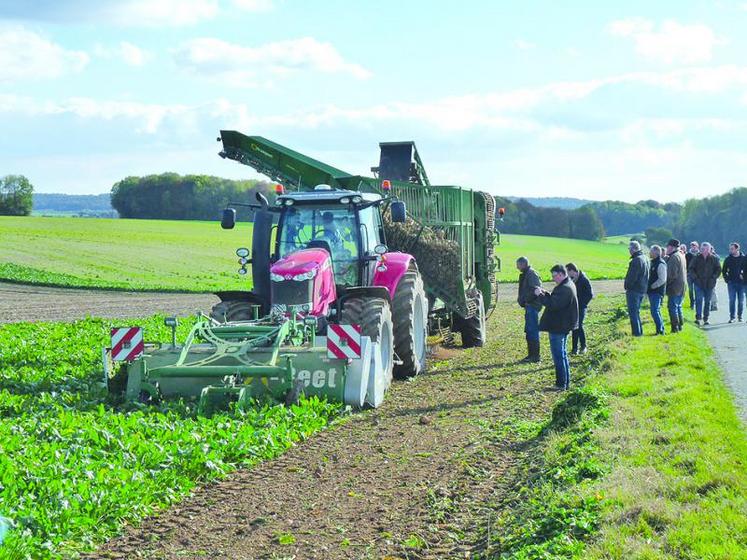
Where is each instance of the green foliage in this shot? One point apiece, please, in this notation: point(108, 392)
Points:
point(718, 219)
point(620, 218)
point(523, 217)
point(16, 196)
point(658, 236)
point(75, 464)
point(176, 197)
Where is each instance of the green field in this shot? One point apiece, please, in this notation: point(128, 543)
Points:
point(199, 256)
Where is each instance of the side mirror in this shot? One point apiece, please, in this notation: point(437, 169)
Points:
point(399, 212)
point(228, 221)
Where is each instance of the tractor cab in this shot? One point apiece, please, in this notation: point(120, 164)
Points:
point(346, 224)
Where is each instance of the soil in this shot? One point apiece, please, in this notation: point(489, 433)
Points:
point(22, 302)
point(408, 480)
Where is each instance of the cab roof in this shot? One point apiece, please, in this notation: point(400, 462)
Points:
point(326, 196)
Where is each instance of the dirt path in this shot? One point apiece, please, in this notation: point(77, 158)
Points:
point(408, 480)
point(22, 302)
point(728, 341)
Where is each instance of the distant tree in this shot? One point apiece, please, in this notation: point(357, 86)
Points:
point(585, 224)
point(181, 197)
point(718, 219)
point(620, 218)
point(16, 196)
point(658, 235)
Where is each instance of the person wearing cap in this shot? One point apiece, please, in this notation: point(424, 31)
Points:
point(676, 283)
point(636, 286)
point(732, 273)
point(559, 318)
point(584, 294)
point(689, 256)
point(528, 281)
point(657, 286)
point(705, 269)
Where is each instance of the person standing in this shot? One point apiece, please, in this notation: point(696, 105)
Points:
point(676, 282)
point(559, 318)
point(689, 256)
point(657, 287)
point(529, 280)
point(584, 294)
point(636, 286)
point(732, 273)
point(705, 269)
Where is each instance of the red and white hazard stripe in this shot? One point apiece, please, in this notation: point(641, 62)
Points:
point(344, 341)
point(127, 343)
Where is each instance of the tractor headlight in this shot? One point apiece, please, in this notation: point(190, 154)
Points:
point(289, 202)
point(345, 200)
point(305, 275)
point(242, 252)
point(357, 200)
point(243, 261)
point(278, 202)
point(242, 271)
point(276, 277)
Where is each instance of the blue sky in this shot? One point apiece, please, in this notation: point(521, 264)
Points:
point(597, 100)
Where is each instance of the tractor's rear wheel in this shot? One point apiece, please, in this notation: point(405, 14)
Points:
point(410, 311)
point(375, 319)
point(232, 310)
point(474, 329)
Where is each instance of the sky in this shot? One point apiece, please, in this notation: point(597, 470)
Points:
point(600, 100)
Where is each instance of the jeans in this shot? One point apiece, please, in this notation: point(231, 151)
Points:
point(691, 291)
point(736, 298)
point(702, 303)
point(531, 323)
point(634, 300)
point(579, 335)
point(674, 304)
point(655, 301)
point(559, 351)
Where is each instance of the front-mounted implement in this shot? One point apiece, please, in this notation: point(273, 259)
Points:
point(277, 357)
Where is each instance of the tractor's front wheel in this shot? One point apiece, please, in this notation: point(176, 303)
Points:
point(232, 310)
point(375, 319)
point(410, 310)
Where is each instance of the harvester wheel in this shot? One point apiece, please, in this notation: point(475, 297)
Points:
point(474, 329)
point(375, 318)
point(410, 311)
point(232, 310)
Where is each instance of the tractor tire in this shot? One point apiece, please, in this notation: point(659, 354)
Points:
point(232, 310)
point(474, 329)
point(410, 311)
point(375, 319)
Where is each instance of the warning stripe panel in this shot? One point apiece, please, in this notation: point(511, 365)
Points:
point(344, 341)
point(127, 343)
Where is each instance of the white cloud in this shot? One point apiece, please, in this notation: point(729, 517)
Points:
point(253, 5)
point(671, 43)
point(130, 54)
point(27, 55)
point(245, 66)
point(523, 45)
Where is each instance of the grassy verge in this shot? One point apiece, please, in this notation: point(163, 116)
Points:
point(645, 459)
point(75, 464)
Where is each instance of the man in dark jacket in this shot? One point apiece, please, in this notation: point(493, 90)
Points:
point(559, 318)
point(705, 269)
point(636, 286)
point(689, 256)
point(584, 294)
point(732, 272)
point(529, 280)
point(676, 283)
point(657, 286)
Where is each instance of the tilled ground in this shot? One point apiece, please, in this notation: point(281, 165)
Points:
point(409, 480)
point(23, 302)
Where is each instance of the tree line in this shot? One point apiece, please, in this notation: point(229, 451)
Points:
point(16, 196)
point(522, 217)
point(181, 197)
point(718, 219)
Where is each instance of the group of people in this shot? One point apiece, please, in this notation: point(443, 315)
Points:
point(675, 271)
point(565, 311)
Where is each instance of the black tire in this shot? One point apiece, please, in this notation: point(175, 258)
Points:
point(410, 312)
point(474, 330)
point(232, 310)
point(372, 314)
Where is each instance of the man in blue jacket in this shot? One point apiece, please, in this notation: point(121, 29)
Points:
point(732, 272)
point(584, 293)
point(636, 285)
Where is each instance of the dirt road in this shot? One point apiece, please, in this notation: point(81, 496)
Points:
point(728, 341)
point(21, 302)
